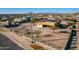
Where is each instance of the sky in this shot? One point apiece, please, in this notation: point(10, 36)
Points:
point(37, 10)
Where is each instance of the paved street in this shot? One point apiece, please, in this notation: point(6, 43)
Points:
point(78, 40)
point(72, 42)
point(7, 44)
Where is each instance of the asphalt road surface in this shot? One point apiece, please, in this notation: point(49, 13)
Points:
point(71, 45)
point(7, 44)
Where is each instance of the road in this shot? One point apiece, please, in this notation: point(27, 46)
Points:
point(7, 44)
point(72, 42)
point(21, 26)
point(78, 40)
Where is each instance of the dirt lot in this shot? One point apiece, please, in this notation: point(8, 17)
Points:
point(44, 35)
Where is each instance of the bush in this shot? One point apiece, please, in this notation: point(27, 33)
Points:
point(37, 47)
point(34, 20)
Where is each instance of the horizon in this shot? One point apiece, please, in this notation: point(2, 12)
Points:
point(37, 10)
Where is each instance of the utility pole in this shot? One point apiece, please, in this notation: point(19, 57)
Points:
point(33, 40)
